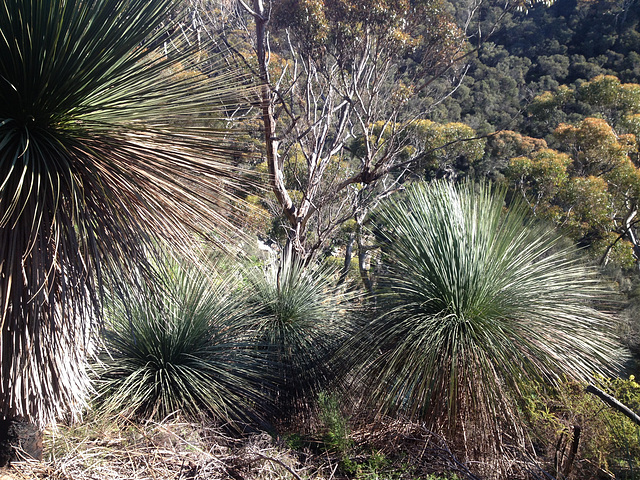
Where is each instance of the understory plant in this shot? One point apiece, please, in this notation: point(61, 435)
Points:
point(609, 442)
point(183, 347)
point(302, 318)
point(334, 423)
point(475, 301)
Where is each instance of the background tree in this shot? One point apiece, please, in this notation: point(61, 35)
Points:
point(501, 148)
point(537, 50)
point(338, 70)
point(603, 157)
point(602, 96)
point(591, 189)
point(539, 178)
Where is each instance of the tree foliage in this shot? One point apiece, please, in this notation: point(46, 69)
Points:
point(591, 189)
point(335, 70)
point(538, 50)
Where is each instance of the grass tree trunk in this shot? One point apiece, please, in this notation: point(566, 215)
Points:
point(104, 160)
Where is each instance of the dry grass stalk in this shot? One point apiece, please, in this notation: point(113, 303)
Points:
point(174, 450)
point(158, 451)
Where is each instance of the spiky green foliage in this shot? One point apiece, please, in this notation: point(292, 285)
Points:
point(301, 321)
point(182, 347)
point(477, 300)
point(102, 148)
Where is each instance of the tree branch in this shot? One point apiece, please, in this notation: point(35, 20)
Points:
point(614, 403)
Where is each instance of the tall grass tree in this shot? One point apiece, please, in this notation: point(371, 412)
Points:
point(107, 147)
point(476, 302)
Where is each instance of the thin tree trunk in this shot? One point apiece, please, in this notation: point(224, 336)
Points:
point(348, 255)
point(362, 259)
point(572, 452)
point(276, 177)
point(614, 403)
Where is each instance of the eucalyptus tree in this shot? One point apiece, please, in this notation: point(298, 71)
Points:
point(333, 71)
point(476, 305)
point(108, 149)
point(590, 187)
point(329, 71)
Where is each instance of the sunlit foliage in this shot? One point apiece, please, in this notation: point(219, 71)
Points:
point(476, 301)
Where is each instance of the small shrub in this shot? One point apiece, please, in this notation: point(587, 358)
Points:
point(372, 467)
point(376, 465)
point(335, 425)
point(294, 441)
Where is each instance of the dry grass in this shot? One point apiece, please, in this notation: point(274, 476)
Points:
point(105, 449)
point(172, 450)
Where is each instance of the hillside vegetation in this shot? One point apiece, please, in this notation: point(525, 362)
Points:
point(320, 239)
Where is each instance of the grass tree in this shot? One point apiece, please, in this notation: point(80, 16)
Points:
point(181, 346)
point(301, 321)
point(106, 147)
point(476, 303)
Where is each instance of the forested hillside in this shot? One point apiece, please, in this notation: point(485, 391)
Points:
point(540, 50)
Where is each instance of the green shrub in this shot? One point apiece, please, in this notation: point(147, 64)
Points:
point(609, 441)
point(334, 423)
point(375, 466)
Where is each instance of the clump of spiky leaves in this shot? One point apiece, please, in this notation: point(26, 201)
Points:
point(182, 347)
point(302, 319)
point(102, 148)
point(477, 302)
